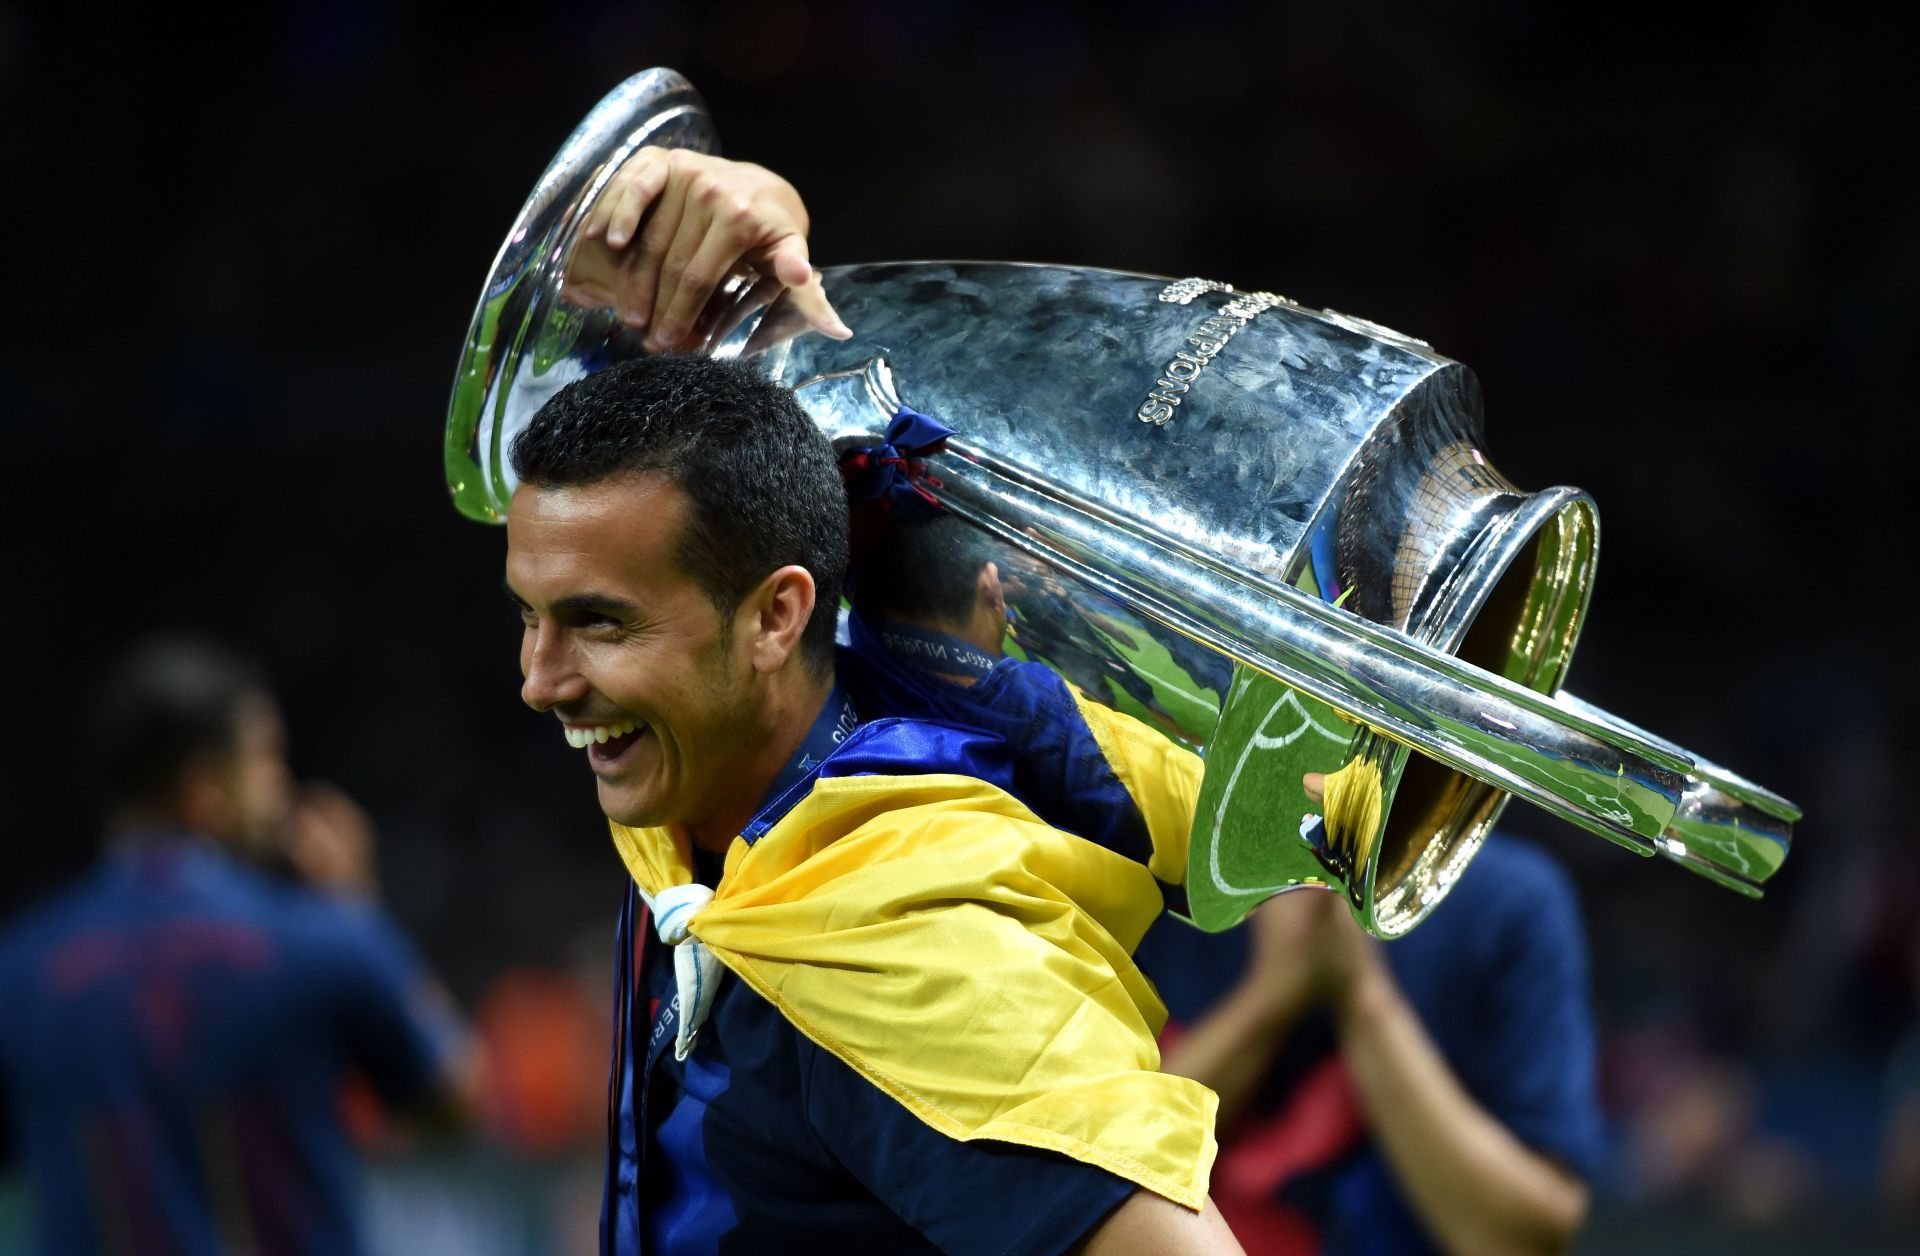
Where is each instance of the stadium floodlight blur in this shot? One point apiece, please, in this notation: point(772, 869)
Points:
point(1269, 518)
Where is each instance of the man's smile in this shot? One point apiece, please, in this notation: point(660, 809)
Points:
point(609, 746)
point(580, 736)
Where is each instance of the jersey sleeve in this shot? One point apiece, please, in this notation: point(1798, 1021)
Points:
point(398, 1029)
point(977, 1196)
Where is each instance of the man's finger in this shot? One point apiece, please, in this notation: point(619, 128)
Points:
point(685, 288)
point(648, 176)
point(605, 210)
point(636, 309)
point(789, 262)
point(600, 213)
point(790, 265)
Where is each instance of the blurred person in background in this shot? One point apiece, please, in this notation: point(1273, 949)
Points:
point(1436, 1092)
point(181, 1030)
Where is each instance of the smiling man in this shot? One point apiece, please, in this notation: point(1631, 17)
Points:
point(865, 988)
point(677, 689)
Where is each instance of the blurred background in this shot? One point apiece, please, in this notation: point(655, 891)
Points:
point(1681, 251)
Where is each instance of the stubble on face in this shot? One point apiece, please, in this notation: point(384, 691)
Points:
point(614, 632)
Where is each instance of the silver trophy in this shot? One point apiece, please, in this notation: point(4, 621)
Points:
point(1270, 531)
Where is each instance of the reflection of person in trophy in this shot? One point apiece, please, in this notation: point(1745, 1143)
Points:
point(931, 591)
point(945, 578)
point(927, 638)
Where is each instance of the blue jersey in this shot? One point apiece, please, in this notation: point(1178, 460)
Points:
point(1497, 975)
point(762, 1141)
point(174, 1036)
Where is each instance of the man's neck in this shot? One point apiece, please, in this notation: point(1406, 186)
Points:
point(790, 717)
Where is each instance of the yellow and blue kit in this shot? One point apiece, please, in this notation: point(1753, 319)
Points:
point(933, 1034)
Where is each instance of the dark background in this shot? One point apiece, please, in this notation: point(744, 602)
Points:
point(1681, 251)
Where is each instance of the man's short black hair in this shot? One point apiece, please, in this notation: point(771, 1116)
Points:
point(166, 704)
point(761, 479)
point(924, 571)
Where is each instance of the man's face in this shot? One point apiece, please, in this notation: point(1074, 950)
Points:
point(260, 783)
point(625, 648)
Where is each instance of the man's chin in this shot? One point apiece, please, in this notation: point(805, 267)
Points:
point(623, 808)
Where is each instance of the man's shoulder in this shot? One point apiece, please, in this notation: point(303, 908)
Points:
point(203, 887)
point(910, 746)
point(275, 903)
point(901, 750)
point(1514, 897)
point(43, 923)
point(1514, 874)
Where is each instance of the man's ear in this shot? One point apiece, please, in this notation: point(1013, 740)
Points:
point(990, 591)
point(777, 613)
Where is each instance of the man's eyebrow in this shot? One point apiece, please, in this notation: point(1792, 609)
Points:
point(596, 604)
point(581, 604)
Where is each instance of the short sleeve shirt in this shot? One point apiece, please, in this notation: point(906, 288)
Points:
point(1497, 975)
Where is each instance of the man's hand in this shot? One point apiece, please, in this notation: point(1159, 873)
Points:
point(670, 227)
point(330, 842)
point(1307, 951)
point(1304, 951)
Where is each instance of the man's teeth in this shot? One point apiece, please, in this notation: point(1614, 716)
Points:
point(581, 738)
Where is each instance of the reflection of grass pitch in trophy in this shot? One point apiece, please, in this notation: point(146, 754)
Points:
point(1269, 531)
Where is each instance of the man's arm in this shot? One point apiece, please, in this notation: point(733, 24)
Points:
point(1230, 1048)
point(1477, 1187)
point(985, 1195)
point(1145, 1222)
point(1472, 1182)
point(401, 1026)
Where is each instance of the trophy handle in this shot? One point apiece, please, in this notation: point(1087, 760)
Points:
point(1565, 756)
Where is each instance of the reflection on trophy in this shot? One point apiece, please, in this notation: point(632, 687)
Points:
point(1271, 532)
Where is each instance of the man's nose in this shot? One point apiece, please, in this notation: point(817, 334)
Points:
point(551, 677)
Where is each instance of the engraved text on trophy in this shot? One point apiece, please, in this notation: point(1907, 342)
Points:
point(1204, 343)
